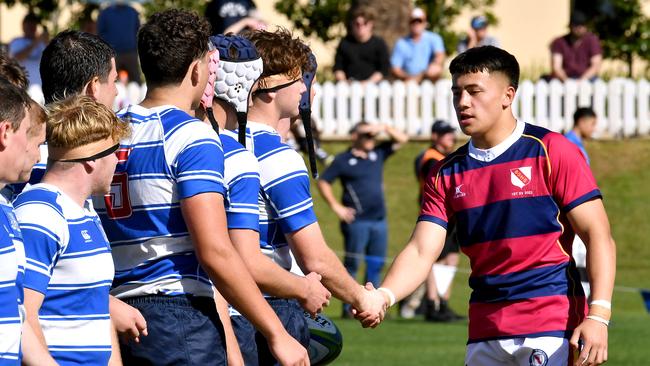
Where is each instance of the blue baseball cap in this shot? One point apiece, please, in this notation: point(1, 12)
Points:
point(479, 22)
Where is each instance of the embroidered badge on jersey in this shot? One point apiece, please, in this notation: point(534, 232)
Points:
point(538, 358)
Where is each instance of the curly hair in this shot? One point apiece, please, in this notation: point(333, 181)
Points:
point(168, 44)
point(281, 53)
point(14, 72)
point(70, 61)
point(81, 120)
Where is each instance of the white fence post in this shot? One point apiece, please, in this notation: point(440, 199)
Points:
point(643, 106)
point(556, 120)
point(370, 102)
point(399, 112)
point(541, 104)
point(329, 122)
point(413, 117)
point(526, 105)
point(614, 107)
point(599, 105)
point(427, 96)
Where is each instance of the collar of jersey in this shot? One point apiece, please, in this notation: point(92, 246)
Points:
point(487, 155)
point(257, 126)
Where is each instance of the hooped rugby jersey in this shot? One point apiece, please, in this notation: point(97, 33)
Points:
point(242, 182)
point(285, 203)
point(68, 261)
point(509, 204)
point(170, 156)
point(12, 272)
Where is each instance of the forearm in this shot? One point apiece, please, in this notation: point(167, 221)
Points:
point(399, 73)
point(601, 267)
point(592, 71)
point(412, 266)
point(268, 275)
point(325, 189)
point(376, 77)
point(396, 135)
point(116, 356)
point(313, 255)
point(25, 52)
point(35, 327)
point(232, 346)
point(34, 350)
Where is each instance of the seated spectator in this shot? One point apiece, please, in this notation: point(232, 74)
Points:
point(576, 55)
point(361, 55)
point(27, 50)
point(477, 36)
point(233, 16)
point(419, 55)
point(118, 25)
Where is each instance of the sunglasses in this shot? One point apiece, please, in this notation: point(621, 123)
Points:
point(367, 135)
point(417, 20)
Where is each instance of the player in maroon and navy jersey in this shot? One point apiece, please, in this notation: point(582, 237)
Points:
point(518, 194)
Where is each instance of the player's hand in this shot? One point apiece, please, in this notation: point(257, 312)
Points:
point(288, 351)
point(316, 296)
point(372, 309)
point(128, 321)
point(345, 214)
point(594, 343)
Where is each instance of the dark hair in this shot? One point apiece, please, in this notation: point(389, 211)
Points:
point(281, 53)
point(31, 18)
point(365, 12)
point(583, 112)
point(489, 59)
point(357, 126)
point(168, 44)
point(13, 103)
point(72, 60)
point(14, 72)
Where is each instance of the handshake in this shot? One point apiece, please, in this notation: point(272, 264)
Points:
point(373, 305)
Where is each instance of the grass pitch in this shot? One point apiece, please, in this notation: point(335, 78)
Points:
point(622, 169)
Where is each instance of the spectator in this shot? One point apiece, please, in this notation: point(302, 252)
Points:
point(576, 55)
point(419, 55)
point(11, 70)
point(233, 16)
point(443, 139)
point(27, 50)
point(584, 123)
point(362, 211)
point(361, 55)
point(118, 25)
point(477, 35)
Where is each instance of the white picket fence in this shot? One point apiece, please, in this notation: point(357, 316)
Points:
point(622, 105)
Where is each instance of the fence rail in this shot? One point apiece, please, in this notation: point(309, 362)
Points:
point(622, 105)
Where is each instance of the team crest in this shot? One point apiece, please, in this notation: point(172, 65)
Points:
point(520, 177)
point(538, 358)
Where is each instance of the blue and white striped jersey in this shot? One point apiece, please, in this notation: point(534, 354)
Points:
point(68, 261)
point(242, 181)
point(12, 272)
point(169, 156)
point(285, 200)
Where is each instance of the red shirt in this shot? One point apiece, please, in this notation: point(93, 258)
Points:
point(576, 55)
point(511, 222)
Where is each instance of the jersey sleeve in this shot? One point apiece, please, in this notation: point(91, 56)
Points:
point(333, 171)
point(288, 190)
point(434, 199)
point(197, 160)
point(44, 233)
point(438, 44)
point(571, 180)
point(242, 210)
point(398, 57)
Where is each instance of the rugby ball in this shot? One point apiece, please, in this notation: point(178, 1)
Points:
point(326, 341)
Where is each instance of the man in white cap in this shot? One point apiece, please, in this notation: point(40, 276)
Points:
point(420, 54)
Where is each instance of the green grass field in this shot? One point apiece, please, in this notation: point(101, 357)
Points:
point(622, 169)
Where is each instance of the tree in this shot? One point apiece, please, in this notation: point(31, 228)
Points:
point(623, 29)
point(43, 9)
point(325, 17)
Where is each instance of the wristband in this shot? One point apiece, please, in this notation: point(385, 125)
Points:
point(391, 295)
point(598, 319)
point(603, 303)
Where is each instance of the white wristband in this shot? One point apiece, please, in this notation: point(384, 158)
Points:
point(598, 319)
point(391, 295)
point(602, 303)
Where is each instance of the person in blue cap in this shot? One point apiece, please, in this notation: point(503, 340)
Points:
point(477, 35)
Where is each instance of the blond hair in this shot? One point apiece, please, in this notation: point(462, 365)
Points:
point(80, 120)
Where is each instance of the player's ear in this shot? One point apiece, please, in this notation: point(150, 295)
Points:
point(195, 72)
point(508, 96)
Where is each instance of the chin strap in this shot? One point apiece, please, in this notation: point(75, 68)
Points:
point(308, 74)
